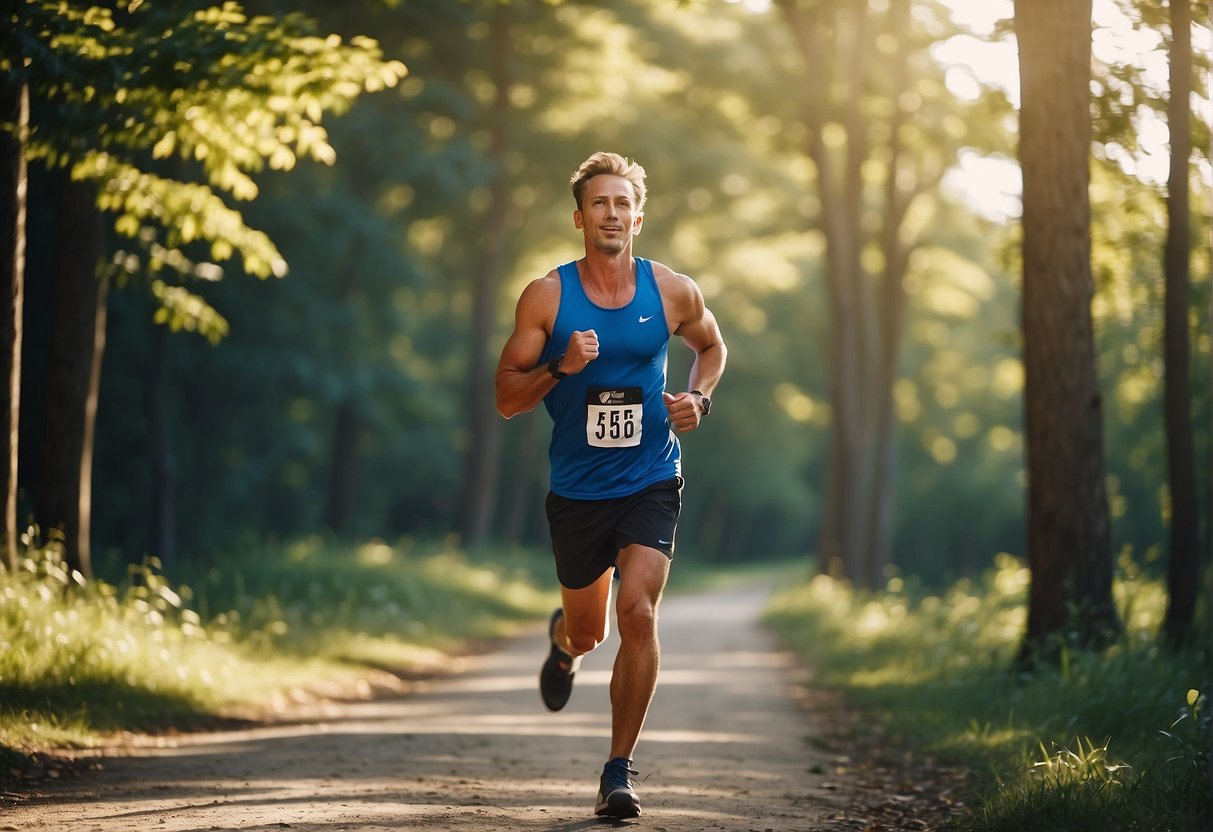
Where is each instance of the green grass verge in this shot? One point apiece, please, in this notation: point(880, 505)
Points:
point(79, 660)
point(1115, 740)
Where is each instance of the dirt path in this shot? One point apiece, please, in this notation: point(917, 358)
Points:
point(725, 748)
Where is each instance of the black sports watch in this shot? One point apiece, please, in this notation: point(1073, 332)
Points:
point(554, 367)
point(704, 402)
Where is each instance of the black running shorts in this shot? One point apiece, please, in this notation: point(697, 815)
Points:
point(588, 534)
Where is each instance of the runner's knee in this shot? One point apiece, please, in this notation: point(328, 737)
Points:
point(585, 639)
point(637, 620)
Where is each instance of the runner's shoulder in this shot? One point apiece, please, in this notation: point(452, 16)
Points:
point(677, 289)
point(542, 295)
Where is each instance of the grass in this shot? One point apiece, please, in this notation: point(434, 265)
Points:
point(1114, 740)
point(247, 634)
point(79, 660)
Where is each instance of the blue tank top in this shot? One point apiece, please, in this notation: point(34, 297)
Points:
point(611, 433)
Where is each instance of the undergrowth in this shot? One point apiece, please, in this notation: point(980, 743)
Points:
point(1110, 740)
point(80, 659)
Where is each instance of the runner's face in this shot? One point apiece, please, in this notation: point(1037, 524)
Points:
point(608, 217)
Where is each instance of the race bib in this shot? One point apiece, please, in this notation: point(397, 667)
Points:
point(613, 417)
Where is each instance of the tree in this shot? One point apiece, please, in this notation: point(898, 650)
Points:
point(1069, 542)
point(62, 497)
point(14, 115)
point(113, 92)
point(860, 83)
point(482, 459)
point(1183, 565)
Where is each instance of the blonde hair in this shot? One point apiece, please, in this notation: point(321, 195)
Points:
point(610, 163)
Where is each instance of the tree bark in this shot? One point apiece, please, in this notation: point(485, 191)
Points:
point(14, 112)
point(64, 495)
point(1183, 565)
point(1069, 539)
point(484, 426)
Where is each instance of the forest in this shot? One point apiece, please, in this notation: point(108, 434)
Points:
point(264, 256)
point(319, 357)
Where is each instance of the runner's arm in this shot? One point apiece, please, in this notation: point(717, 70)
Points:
point(700, 331)
point(520, 384)
point(704, 337)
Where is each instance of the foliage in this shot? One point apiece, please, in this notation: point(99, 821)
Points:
point(86, 658)
point(383, 246)
point(81, 657)
point(375, 603)
point(207, 88)
point(1092, 743)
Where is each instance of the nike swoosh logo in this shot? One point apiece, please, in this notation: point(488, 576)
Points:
point(643, 319)
point(665, 542)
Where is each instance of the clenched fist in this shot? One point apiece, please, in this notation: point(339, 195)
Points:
point(684, 411)
point(581, 350)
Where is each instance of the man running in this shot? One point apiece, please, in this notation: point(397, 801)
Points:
point(590, 341)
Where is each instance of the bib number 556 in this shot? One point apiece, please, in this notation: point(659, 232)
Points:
point(614, 417)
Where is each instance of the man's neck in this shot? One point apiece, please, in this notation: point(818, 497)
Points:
point(605, 269)
point(608, 279)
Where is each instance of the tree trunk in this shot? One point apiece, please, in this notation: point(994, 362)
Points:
point(1183, 566)
point(64, 495)
point(865, 315)
point(14, 110)
point(484, 425)
point(891, 311)
point(1069, 542)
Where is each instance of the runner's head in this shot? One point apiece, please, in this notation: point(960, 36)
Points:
point(610, 163)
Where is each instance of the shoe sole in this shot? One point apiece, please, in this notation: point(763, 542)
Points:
point(619, 804)
point(561, 698)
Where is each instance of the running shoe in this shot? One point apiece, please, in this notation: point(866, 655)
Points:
point(556, 676)
point(616, 796)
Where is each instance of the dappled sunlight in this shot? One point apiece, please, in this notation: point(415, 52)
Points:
point(843, 182)
point(771, 265)
point(890, 675)
point(800, 406)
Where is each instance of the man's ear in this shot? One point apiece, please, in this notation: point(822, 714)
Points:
point(637, 223)
point(577, 218)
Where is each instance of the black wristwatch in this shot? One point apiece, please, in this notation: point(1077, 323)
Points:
point(704, 402)
point(554, 367)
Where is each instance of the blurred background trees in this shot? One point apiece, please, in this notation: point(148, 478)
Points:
point(831, 174)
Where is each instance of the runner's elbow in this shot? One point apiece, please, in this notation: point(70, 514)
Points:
point(509, 409)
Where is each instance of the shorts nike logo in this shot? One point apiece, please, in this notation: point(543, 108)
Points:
point(665, 542)
point(643, 319)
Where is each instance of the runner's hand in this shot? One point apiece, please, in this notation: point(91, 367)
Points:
point(684, 411)
point(582, 349)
